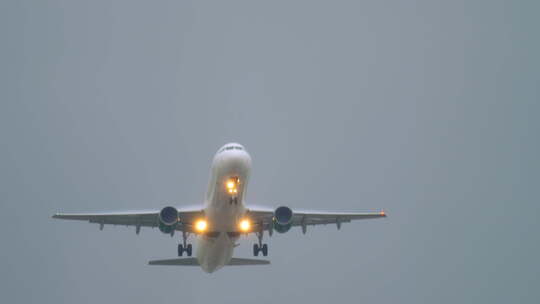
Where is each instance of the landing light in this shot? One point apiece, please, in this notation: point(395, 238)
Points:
point(201, 225)
point(245, 225)
point(231, 185)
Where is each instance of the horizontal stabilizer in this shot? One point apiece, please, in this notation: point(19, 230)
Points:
point(194, 262)
point(241, 262)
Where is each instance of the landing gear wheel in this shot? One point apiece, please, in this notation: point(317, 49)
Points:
point(256, 249)
point(265, 249)
point(189, 249)
point(180, 249)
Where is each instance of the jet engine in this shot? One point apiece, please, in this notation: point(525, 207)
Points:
point(283, 217)
point(168, 217)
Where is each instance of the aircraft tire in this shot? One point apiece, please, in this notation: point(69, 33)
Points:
point(264, 249)
point(189, 249)
point(180, 250)
point(256, 249)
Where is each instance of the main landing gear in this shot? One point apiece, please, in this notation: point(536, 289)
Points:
point(184, 247)
point(260, 247)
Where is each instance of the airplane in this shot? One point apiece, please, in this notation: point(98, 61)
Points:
point(223, 218)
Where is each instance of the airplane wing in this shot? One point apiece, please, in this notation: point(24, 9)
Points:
point(264, 216)
point(194, 262)
point(138, 219)
point(261, 217)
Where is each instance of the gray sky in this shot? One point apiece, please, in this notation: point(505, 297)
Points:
point(428, 109)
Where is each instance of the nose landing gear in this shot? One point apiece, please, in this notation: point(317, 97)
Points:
point(232, 188)
point(260, 246)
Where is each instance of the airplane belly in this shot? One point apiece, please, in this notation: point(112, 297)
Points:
point(214, 252)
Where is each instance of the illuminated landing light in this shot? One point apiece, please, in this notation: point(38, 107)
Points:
point(201, 225)
point(383, 213)
point(244, 225)
point(232, 185)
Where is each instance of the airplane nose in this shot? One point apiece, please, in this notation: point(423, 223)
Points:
point(237, 162)
point(233, 159)
point(240, 158)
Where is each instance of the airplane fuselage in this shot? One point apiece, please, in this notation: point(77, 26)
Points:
point(224, 206)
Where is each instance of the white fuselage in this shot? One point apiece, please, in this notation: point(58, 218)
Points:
point(224, 206)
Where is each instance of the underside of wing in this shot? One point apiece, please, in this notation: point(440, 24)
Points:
point(142, 218)
point(194, 262)
point(265, 218)
point(184, 218)
point(322, 217)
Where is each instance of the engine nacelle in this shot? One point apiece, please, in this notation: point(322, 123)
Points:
point(168, 218)
point(283, 217)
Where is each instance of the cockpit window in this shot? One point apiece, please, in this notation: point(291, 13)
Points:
point(231, 148)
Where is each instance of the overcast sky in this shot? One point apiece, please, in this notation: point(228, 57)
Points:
point(427, 109)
